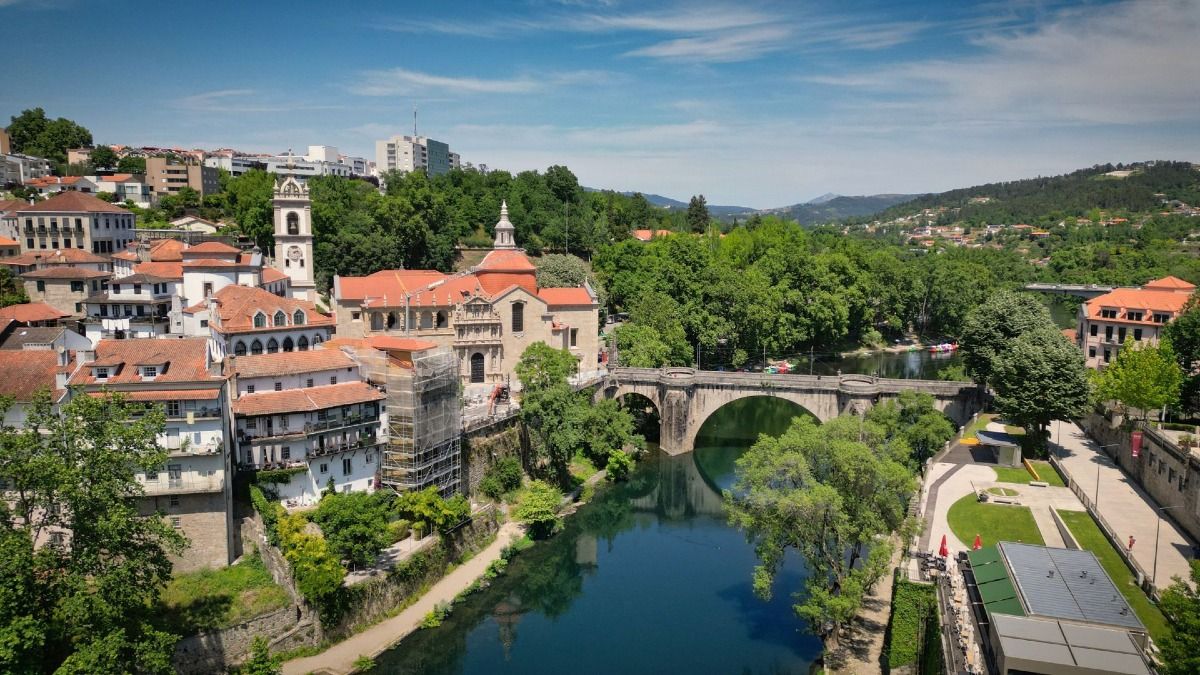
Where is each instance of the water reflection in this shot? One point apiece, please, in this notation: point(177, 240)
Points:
point(647, 578)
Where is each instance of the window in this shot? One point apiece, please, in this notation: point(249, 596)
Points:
point(288, 345)
point(172, 408)
point(116, 288)
point(176, 522)
point(440, 320)
point(1091, 352)
point(308, 382)
point(477, 368)
point(302, 344)
point(1108, 333)
point(149, 371)
point(346, 466)
point(250, 390)
point(574, 336)
point(100, 373)
point(151, 476)
point(78, 287)
point(204, 324)
point(239, 349)
point(356, 316)
point(79, 308)
point(1137, 334)
point(298, 318)
point(260, 320)
point(208, 290)
point(1160, 317)
point(376, 320)
point(251, 423)
point(1121, 335)
point(324, 468)
point(333, 379)
point(293, 223)
point(518, 317)
point(286, 452)
point(272, 346)
point(1133, 316)
point(137, 289)
point(1107, 355)
point(280, 318)
point(256, 347)
point(41, 286)
point(1108, 313)
point(174, 501)
point(316, 339)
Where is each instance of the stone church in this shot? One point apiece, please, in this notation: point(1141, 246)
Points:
point(294, 237)
point(486, 315)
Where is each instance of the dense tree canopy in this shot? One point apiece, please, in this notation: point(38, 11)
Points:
point(1143, 378)
point(1040, 377)
point(1181, 605)
point(32, 133)
point(992, 326)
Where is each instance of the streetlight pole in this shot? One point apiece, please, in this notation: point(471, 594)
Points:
point(1157, 528)
point(1096, 497)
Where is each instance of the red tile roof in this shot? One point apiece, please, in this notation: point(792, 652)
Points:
point(388, 342)
point(11, 204)
point(306, 400)
point(290, 363)
point(60, 272)
point(209, 247)
point(184, 358)
point(647, 235)
point(237, 306)
point(1144, 300)
point(559, 297)
point(64, 256)
point(126, 255)
point(166, 250)
point(165, 270)
point(31, 312)
point(506, 260)
point(26, 372)
point(1170, 284)
point(72, 202)
point(209, 262)
point(270, 275)
point(168, 394)
point(5, 241)
point(392, 284)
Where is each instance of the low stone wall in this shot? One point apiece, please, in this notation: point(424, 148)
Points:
point(215, 651)
point(1063, 530)
point(481, 451)
point(369, 602)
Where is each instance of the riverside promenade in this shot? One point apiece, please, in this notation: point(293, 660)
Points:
point(1124, 504)
point(339, 658)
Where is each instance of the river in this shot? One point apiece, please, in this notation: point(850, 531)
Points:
point(648, 578)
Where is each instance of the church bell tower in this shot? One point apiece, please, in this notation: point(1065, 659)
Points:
point(294, 238)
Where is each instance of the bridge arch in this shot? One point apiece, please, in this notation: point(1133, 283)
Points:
point(708, 411)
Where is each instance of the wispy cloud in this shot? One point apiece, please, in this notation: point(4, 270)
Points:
point(404, 82)
point(241, 101)
point(724, 46)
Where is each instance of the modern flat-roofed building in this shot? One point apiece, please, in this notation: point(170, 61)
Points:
point(409, 153)
point(1139, 314)
point(168, 177)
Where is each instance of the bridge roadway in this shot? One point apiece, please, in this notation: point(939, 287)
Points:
point(1086, 291)
point(686, 397)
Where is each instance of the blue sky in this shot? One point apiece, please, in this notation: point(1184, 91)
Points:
point(756, 104)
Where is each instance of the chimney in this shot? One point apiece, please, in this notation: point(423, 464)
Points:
point(85, 356)
point(63, 373)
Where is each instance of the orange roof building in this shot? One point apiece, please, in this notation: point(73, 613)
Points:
point(245, 321)
point(487, 315)
point(74, 220)
point(1138, 314)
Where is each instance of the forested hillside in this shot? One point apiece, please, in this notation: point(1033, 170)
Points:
point(1049, 199)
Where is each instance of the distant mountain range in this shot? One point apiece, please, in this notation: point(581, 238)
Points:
point(716, 210)
point(826, 208)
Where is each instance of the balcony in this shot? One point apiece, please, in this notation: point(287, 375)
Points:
point(340, 422)
point(334, 448)
point(177, 447)
point(184, 485)
point(199, 413)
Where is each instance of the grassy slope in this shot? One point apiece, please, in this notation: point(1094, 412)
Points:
point(993, 522)
point(1089, 536)
point(220, 598)
point(1009, 474)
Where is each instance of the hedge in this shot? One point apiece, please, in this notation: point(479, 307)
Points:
point(911, 602)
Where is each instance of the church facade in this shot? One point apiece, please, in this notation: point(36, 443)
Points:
point(487, 315)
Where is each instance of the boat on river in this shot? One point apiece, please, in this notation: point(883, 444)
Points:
point(944, 347)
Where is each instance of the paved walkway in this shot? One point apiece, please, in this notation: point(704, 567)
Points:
point(339, 659)
point(964, 480)
point(861, 651)
point(1126, 507)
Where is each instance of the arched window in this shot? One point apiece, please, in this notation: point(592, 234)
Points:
point(293, 223)
point(316, 339)
point(256, 347)
point(376, 320)
point(260, 320)
point(440, 320)
point(298, 318)
point(272, 346)
point(391, 320)
point(426, 320)
point(288, 345)
point(239, 349)
point(280, 318)
point(302, 344)
point(476, 368)
point(518, 317)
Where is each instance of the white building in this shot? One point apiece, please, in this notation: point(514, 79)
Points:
point(409, 153)
point(236, 165)
point(16, 169)
point(294, 237)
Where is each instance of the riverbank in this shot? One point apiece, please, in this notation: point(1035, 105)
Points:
point(339, 659)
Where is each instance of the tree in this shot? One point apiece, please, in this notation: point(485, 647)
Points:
point(992, 326)
point(542, 367)
point(80, 600)
point(1184, 335)
point(829, 493)
point(912, 418)
point(1180, 603)
point(1144, 377)
point(131, 164)
point(427, 506)
point(250, 205)
point(1041, 377)
point(538, 509)
point(641, 346)
point(32, 133)
point(697, 214)
point(12, 291)
point(556, 270)
point(261, 661)
point(355, 525)
point(103, 157)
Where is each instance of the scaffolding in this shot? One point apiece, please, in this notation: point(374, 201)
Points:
point(424, 419)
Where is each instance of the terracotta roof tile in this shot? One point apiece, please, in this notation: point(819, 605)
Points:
point(60, 272)
point(11, 204)
point(164, 270)
point(210, 247)
point(270, 275)
point(506, 260)
point(64, 256)
point(185, 361)
point(306, 400)
point(1170, 283)
point(392, 284)
point(31, 312)
point(290, 363)
point(5, 241)
point(558, 297)
point(166, 250)
point(237, 305)
point(26, 372)
point(1137, 299)
point(72, 202)
point(388, 342)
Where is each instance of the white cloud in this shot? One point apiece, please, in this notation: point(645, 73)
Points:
point(240, 101)
point(725, 46)
point(405, 82)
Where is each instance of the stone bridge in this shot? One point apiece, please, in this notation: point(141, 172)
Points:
point(685, 397)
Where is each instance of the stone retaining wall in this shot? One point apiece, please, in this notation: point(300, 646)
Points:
point(481, 451)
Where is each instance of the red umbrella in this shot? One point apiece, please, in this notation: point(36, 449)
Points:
point(944, 550)
point(978, 543)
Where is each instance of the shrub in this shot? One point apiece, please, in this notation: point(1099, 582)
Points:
point(399, 530)
point(619, 464)
point(355, 524)
point(363, 663)
point(914, 625)
point(538, 509)
point(270, 510)
point(523, 544)
point(501, 477)
point(418, 529)
point(437, 615)
point(317, 571)
point(496, 568)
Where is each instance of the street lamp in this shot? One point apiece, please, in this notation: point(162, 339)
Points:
point(1096, 494)
point(1157, 528)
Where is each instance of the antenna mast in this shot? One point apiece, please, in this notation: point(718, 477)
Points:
point(414, 121)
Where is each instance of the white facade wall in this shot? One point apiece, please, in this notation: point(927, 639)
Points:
point(319, 378)
point(194, 281)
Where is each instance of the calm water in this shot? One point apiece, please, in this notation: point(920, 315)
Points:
point(915, 365)
point(648, 578)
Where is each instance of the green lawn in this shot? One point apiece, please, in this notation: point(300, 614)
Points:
point(1089, 536)
point(1018, 474)
point(220, 598)
point(1003, 491)
point(994, 522)
point(582, 468)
